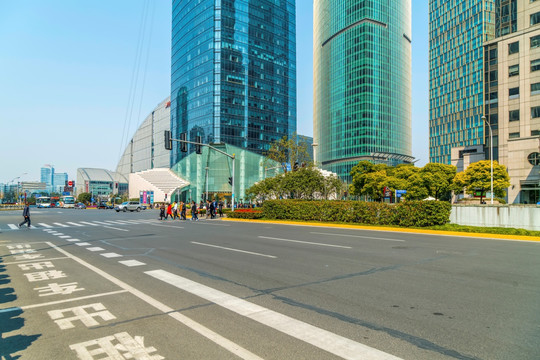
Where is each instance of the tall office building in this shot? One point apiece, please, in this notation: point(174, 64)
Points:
point(59, 182)
point(233, 72)
point(362, 83)
point(512, 85)
point(47, 177)
point(457, 32)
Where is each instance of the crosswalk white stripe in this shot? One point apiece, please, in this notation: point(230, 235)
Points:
point(89, 223)
point(12, 226)
point(62, 225)
point(73, 223)
point(129, 222)
point(45, 225)
point(323, 339)
point(100, 222)
point(114, 222)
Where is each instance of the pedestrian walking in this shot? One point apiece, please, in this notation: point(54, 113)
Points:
point(161, 211)
point(220, 207)
point(212, 210)
point(183, 210)
point(169, 211)
point(194, 211)
point(26, 215)
point(175, 210)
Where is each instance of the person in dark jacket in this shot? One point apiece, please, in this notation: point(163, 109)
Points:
point(161, 211)
point(212, 210)
point(194, 211)
point(26, 215)
point(220, 207)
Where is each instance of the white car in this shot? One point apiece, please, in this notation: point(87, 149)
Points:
point(128, 205)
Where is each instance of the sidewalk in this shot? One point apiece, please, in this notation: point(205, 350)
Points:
point(393, 229)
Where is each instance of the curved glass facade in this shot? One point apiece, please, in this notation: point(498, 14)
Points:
point(362, 82)
point(233, 72)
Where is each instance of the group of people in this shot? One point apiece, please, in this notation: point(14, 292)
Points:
point(178, 210)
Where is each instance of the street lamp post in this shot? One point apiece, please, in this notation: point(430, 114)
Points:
point(490, 153)
point(206, 197)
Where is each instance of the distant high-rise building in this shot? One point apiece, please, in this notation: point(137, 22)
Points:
point(457, 32)
point(47, 175)
point(233, 72)
point(59, 182)
point(362, 83)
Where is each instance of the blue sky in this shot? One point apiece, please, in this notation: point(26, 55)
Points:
point(66, 73)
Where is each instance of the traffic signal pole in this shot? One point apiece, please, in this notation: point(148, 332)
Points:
point(168, 137)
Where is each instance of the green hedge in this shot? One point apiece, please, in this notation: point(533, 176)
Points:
point(245, 215)
point(408, 213)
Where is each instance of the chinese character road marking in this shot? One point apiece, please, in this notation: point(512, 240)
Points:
point(45, 275)
point(55, 289)
point(37, 265)
point(82, 315)
point(29, 257)
point(22, 251)
point(126, 347)
point(14, 247)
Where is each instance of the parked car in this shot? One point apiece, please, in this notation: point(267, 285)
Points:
point(128, 206)
point(80, 206)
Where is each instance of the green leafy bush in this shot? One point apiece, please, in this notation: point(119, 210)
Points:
point(410, 213)
point(245, 215)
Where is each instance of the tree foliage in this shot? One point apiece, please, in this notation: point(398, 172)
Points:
point(306, 183)
point(84, 197)
point(289, 150)
point(477, 177)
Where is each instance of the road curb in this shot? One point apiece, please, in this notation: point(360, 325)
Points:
point(393, 229)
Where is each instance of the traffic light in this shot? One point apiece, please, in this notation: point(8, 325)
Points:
point(230, 181)
point(183, 145)
point(168, 141)
point(198, 147)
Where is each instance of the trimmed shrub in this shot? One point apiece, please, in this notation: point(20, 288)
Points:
point(245, 215)
point(410, 213)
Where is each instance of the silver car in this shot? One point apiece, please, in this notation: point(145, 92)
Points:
point(128, 205)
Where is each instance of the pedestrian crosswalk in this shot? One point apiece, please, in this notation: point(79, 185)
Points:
point(75, 224)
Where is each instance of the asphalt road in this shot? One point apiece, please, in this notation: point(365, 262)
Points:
point(96, 284)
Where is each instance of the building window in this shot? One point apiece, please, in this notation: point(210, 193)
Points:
point(535, 89)
point(535, 41)
point(514, 93)
point(534, 158)
point(513, 48)
point(513, 115)
point(535, 65)
point(535, 112)
point(535, 18)
point(513, 70)
point(514, 135)
point(535, 132)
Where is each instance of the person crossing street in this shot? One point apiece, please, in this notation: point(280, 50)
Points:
point(26, 215)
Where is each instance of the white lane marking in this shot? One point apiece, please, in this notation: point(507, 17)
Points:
point(357, 236)
point(305, 242)
point(114, 228)
point(64, 237)
point(45, 225)
point(73, 223)
point(12, 226)
point(130, 222)
point(62, 225)
point(97, 248)
point(131, 263)
point(83, 244)
point(88, 223)
point(195, 326)
point(74, 299)
point(111, 255)
point(73, 240)
point(171, 226)
point(237, 250)
point(56, 233)
point(323, 339)
point(30, 261)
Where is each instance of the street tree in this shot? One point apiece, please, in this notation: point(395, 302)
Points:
point(289, 150)
point(84, 197)
point(437, 179)
point(477, 177)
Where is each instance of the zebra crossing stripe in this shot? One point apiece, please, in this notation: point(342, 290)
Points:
point(88, 223)
point(13, 226)
point(62, 225)
point(73, 223)
point(45, 225)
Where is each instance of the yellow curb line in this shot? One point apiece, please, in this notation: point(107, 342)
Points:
point(402, 230)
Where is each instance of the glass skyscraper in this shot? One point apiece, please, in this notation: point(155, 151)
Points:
point(362, 83)
point(457, 32)
point(233, 72)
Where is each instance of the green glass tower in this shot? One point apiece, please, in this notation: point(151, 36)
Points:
point(457, 32)
point(362, 83)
